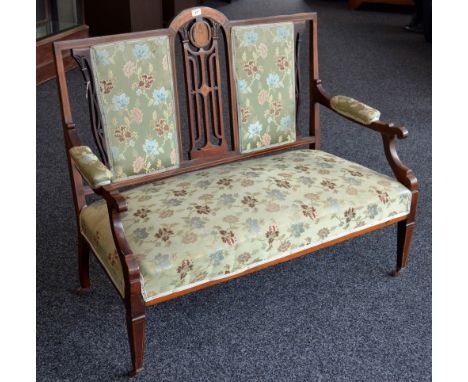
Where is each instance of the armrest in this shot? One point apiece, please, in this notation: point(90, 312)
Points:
point(358, 112)
point(355, 110)
point(369, 117)
point(94, 172)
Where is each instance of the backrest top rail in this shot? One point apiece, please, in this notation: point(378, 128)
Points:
point(89, 41)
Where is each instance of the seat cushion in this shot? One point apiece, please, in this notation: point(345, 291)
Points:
point(213, 223)
point(264, 71)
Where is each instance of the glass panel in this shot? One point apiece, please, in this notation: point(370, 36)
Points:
point(55, 16)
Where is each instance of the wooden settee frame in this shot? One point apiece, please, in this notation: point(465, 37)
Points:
point(207, 156)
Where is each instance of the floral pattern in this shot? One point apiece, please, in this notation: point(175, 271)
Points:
point(136, 98)
point(213, 223)
point(95, 173)
point(263, 63)
point(354, 109)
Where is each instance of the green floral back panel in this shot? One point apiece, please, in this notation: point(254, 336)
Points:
point(263, 63)
point(135, 90)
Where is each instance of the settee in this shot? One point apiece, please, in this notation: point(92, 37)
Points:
point(173, 217)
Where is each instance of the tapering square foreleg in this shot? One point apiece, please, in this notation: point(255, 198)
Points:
point(136, 337)
point(404, 238)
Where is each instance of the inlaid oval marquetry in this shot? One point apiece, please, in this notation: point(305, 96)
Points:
point(200, 34)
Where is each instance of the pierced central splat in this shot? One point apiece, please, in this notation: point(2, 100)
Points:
point(203, 85)
point(200, 34)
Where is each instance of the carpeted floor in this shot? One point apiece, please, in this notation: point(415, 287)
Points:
point(331, 316)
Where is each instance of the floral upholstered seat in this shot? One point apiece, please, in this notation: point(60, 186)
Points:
point(213, 223)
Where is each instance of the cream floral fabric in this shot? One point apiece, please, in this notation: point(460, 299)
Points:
point(354, 109)
point(90, 167)
point(95, 227)
point(136, 98)
point(213, 223)
point(263, 63)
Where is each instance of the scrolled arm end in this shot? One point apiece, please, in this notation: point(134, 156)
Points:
point(402, 132)
point(389, 129)
point(354, 109)
point(94, 172)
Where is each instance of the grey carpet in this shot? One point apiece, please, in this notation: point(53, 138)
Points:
point(333, 315)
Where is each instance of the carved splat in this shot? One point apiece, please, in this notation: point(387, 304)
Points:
point(83, 58)
point(200, 41)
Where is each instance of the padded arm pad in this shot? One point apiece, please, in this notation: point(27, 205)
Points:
point(94, 172)
point(357, 111)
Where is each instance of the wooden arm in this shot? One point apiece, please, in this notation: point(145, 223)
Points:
point(116, 204)
point(388, 131)
point(382, 127)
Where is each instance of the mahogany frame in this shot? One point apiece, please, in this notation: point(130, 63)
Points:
point(207, 157)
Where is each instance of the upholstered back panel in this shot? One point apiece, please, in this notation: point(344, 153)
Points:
point(135, 92)
point(264, 72)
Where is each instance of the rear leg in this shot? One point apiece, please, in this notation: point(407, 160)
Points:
point(83, 263)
